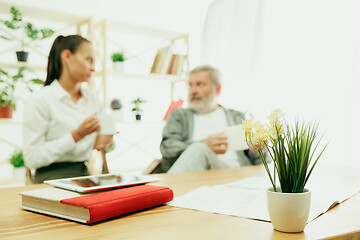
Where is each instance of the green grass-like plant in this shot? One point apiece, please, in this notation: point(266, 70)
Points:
point(291, 148)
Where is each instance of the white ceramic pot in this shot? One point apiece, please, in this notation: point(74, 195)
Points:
point(288, 212)
point(19, 173)
point(118, 66)
point(118, 115)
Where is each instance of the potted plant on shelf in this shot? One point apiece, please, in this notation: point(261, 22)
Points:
point(136, 107)
point(16, 23)
point(118, 59)
point(17, 161)
point(8, 85)
point(292, 150)
point(116, 107)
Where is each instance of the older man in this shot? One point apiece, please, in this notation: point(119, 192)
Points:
point(193, 138)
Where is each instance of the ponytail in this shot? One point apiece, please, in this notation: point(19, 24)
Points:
point(54, 62)
point(61, 43)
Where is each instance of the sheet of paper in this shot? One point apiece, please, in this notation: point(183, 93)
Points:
point(247, 198)
point(324, 196)
point(247, 203)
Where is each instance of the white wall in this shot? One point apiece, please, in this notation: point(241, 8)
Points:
point(299, 56)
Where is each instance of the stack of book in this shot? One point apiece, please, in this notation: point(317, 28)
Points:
point(166, 62)
point(94, 207)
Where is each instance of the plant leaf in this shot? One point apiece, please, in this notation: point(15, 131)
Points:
point(37, 81)
point(6, 38)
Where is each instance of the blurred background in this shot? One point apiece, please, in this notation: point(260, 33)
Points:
point(299, 56)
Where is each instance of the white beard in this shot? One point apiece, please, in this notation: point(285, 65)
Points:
point(205, 105)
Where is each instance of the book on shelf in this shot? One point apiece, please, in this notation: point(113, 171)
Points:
point(176, 64)
point(94, 207)
point(167, 60)
point(154, 67)
point(179, 65)
point(162, 60)
point(173, 105)
point(171, 64)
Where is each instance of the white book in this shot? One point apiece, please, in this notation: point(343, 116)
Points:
point(47, 201)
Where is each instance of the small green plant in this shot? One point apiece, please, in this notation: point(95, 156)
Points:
point(291, 148)
point(8, 85)
point(136, 106)
point(16, 159)
point(16, 22)
point(118, 57)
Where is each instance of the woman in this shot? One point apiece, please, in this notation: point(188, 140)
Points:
point(60, 120)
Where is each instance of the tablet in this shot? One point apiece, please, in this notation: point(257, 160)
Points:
point(100, 182)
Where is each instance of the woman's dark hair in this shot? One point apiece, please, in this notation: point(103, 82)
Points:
point(61, 43)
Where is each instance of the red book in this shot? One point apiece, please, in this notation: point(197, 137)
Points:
point(89, 208)
point(173, 105)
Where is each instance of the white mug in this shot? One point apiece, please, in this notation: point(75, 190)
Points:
point(107, 124)
point(236, 138)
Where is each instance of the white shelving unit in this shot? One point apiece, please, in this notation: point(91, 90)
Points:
point(40, 68)
point(137, 143)
point(102, 37)
point(99, 33)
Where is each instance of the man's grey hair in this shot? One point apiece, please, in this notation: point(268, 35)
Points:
point(214, 73)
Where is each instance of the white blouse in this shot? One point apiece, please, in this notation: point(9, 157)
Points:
point(49, 118)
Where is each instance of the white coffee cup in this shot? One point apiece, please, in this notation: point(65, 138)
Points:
point(107, 124)
point(236, 138)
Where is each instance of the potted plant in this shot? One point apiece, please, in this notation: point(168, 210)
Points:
point(118, 59)
point(136, 107)
point(29, 31)
point(8, 85)
point(292, 152)
point(116, 106)
point(17, 161)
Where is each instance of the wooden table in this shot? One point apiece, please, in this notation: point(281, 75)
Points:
point(166, 222)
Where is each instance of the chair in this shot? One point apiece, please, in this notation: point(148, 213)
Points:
point(105, 168)
point(153, 167)
point(93, 160)
point(29, 177)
